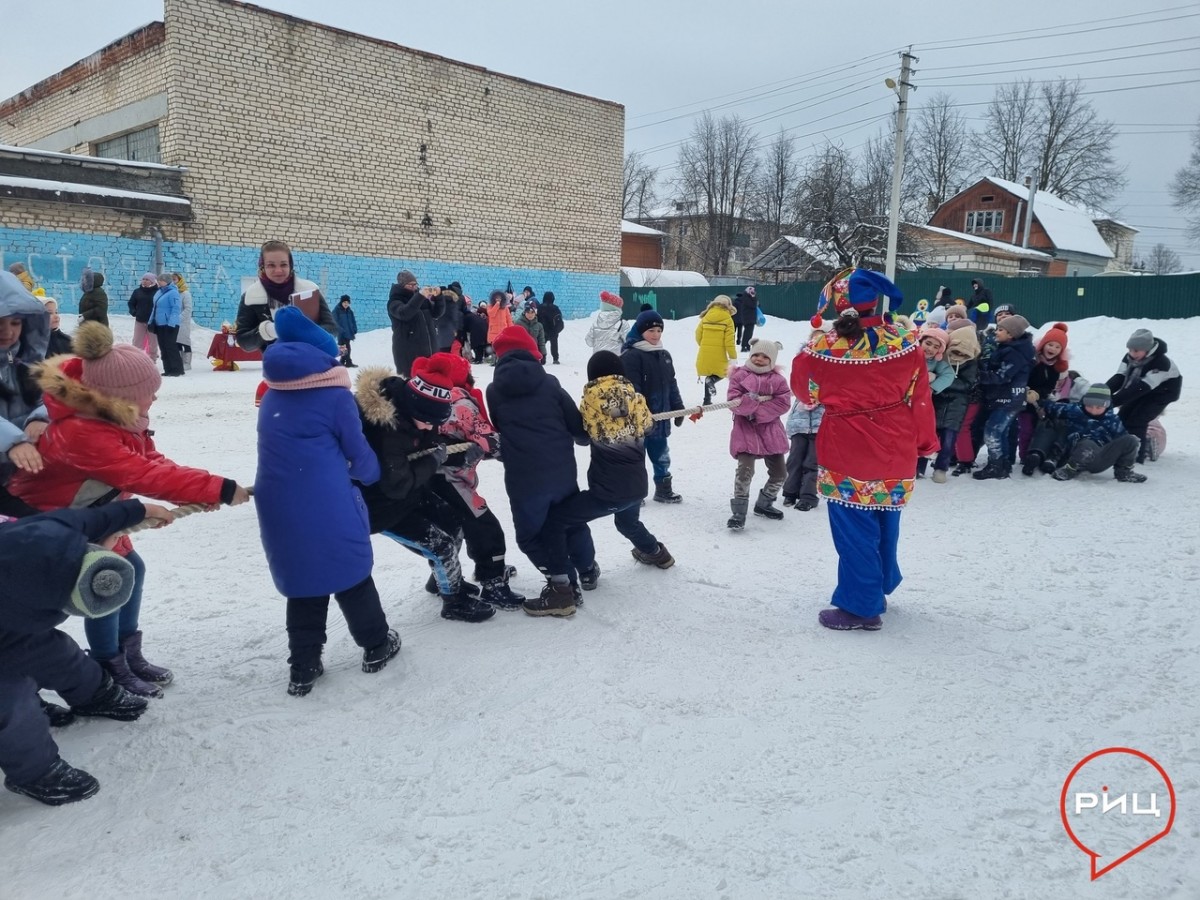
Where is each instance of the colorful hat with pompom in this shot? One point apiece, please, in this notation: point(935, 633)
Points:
point(855, 292)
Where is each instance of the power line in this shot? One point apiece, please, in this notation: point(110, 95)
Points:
point(1092, 78)
point(978, 41)
point(1060, 56)
point(1090, 62)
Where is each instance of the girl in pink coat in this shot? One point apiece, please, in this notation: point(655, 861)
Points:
point(763, 397)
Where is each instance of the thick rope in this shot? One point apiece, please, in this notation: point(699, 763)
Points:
point(694, 410)
point(190, 509)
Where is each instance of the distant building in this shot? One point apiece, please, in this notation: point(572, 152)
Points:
point(228, 124)
point(686, 241)
point(641, 247)
point(1077, 242)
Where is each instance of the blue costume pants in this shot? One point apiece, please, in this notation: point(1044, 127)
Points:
point(866, 541)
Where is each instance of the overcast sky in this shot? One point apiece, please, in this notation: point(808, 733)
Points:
point(813, 69)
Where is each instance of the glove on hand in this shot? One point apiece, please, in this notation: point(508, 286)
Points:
point(439, 454)
point(266, 330)
point(679, 421)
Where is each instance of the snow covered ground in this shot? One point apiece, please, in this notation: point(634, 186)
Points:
point(689, 733)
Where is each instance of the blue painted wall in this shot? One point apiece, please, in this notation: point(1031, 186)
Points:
point(214, 273)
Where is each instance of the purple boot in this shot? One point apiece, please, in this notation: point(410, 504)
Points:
point(148, 672)
point(840, 620)
point(118, 668)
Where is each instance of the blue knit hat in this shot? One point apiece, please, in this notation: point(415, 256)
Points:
point(293, 326)
point(647, 319)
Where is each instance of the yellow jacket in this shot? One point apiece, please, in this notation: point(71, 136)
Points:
point(714, 334)
point(613, 412)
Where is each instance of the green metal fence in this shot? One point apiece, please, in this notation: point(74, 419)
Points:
point(1040, 300)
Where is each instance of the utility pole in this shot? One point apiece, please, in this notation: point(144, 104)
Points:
point(1033, 182)
point(901, 89)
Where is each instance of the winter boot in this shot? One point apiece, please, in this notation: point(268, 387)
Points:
point(465, 607)
point(963, 468)
point(556, 599)
point(58, 715)
point(663, 492)
point(118, 668)
point(62, 783)
point(765, 506)
point(840, 620)
point(738, 505)
point(431, 586)
point(710, 387)
point(149, 673)
point(806, 504)
point(1126, 474)
point(790, 499)
point(1048, 466)
point(375, 658)
point(992, 470)
point(497, 594)
point(302, 679)
point(111, 701)
point(589, 579)
point(922, 465)
point(1065, 472)
point(660, 557)
point(939, 476)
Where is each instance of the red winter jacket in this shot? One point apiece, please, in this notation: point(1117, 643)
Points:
point(88, 455)
point(878, 414)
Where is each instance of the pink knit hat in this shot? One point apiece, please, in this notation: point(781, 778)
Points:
point(115, 370)
point(938, 337)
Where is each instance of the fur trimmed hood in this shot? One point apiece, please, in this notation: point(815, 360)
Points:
point(86, 401)
point(369, 394)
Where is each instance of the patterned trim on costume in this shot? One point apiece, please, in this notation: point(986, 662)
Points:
point(880, 342)
point(886, 493)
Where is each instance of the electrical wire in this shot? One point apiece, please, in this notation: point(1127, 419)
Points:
point(1060, 56)
point(1091, 62)
point(978, 40)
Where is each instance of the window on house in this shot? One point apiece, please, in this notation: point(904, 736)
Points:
point(985, 221)
point(140, 146)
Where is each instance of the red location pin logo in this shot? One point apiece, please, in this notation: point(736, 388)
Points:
point(1076, 806)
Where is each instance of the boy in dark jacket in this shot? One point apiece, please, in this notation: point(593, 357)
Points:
point(475, 325)
point(539, 427)
point(552, 322)
point(1004, 377)
point(1096, 439)
point(401, 417)
point(745, 317)
point(650, 370)
point(529, 321)
point(93, 305)
point(616, 419)
point(347, 329)
point(1145, 383)
point(54, 568)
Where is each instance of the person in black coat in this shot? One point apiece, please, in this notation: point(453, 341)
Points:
point(412, 315)
point(745, 316)
point(651, 371)
point(1147, 381)
point(449, 325)
point(54, 568)
point(980, 304)
point(539, 426)
point(141, 305)
point(475, 325)
point(1004, 377)
point(276, 283)
point(552, 322)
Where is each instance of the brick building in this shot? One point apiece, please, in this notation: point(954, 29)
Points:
point(366, 156)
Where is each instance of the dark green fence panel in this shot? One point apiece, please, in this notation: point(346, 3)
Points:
point(1040, 300)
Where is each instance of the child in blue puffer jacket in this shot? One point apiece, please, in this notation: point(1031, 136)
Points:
point(800, 489)
point(1096, 437)
point(1004, 377)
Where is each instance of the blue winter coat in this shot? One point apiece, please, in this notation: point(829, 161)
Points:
point(168, 307)
point(803, 421)
point(347, 325)
point(1005, 374)
point(312, 520)
point(40, 557)
point(1083, 427)
point(652, 374)
point(539, 427)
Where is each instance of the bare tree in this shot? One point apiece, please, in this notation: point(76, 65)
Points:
point(1161, 260)
point(717, 170)
point(777, 183)
point(840, 210)
point(1005, 147)
point(638, 192)
point(1185, 189)
point(937, 161)
point(1074, 146)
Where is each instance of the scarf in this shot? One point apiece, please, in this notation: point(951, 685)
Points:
point(646, 345)
point(278, 293)
point(335, 376)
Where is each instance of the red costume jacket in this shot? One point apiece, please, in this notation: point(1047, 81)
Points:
point(878, 414)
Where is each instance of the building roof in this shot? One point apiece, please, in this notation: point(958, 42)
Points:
point(628, 227)
point(775, 256)
point(999, 246)
point(1069, 227)
point(636, 277)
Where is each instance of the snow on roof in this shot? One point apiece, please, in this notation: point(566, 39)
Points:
point(628, 227)
point(661, 278)
point(818, 250)
point(1069, 227)
point(60, 187)
point(81, 159)
point(1014, 249)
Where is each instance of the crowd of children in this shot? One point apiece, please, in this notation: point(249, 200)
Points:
point(869, 405)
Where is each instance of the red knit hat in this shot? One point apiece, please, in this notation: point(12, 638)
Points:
point(457, 367)
point(514, 337)
point(1058, 333)
point(612, 299)
point(428, 390)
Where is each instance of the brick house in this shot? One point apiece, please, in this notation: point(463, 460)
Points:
point(379, 158)
point(1077, 242)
